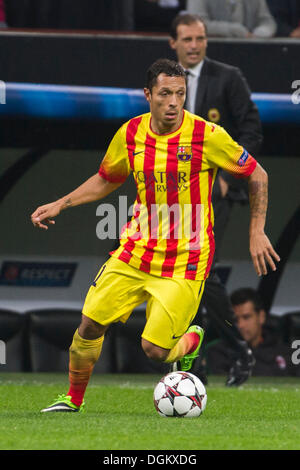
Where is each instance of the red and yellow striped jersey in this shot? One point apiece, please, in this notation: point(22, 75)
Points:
point(171, 231)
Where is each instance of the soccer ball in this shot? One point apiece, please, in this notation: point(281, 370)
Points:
point(180, 394)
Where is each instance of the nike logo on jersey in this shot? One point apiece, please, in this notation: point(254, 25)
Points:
point(136, 153)
point(176, 337)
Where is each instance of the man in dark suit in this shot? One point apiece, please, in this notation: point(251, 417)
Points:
point(219, 93)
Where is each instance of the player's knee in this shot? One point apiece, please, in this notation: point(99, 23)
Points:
point(89, 329)
point(154, 352)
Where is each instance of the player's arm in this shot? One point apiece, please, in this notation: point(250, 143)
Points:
point(93, 189)
point(225, 153)
point(261, 250)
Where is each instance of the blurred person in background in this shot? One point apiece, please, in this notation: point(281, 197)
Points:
point(2, 15)
point(219, 93)
point(287, 16)
point(273, 357)
point(235, 18)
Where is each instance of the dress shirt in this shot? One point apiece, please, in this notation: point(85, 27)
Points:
point(192, 79)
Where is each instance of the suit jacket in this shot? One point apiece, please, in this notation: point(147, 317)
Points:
point(223, 96)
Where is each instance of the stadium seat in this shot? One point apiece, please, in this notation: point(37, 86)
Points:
point(130, 357)
point(290, 326)
point(50, 336)
point(13, 352)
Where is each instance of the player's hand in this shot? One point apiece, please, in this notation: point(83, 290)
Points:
point(295, 33)
point(43, 215)
point(262, 253)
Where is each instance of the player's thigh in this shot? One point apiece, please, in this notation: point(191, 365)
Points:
point(115, 292)
point(170, 310)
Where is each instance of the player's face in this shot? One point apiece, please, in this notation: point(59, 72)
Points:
point(249, 322)
point(190, 44)
point(166, 100)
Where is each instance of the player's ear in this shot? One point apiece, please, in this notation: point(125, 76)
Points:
point(147, 94)
point(262, 316)
point(172, 43)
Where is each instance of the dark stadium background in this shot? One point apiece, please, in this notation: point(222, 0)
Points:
point(43, 159)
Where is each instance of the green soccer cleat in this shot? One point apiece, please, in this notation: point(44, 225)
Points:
point(186, 362)
point(63, 403)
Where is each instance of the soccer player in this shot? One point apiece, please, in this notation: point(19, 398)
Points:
point(166, 250)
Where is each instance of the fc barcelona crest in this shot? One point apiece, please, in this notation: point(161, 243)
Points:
point(184, 154)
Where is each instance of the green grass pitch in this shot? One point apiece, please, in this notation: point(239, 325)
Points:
point(262, 414)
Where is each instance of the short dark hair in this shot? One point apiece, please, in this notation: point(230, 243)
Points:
point(246, 294)
point(166, 66)
point(187, 19)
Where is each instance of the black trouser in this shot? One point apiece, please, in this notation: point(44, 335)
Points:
point(219, 313)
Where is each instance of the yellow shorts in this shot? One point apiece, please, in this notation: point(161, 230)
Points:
point(171, 303)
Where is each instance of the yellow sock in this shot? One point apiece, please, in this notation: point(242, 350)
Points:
point(181, 348)
point(84, 353)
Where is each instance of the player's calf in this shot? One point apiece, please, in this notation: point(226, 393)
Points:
point(154, 352)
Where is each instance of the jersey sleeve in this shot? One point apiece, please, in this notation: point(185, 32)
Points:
point(115, 166)
point(223, 152)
